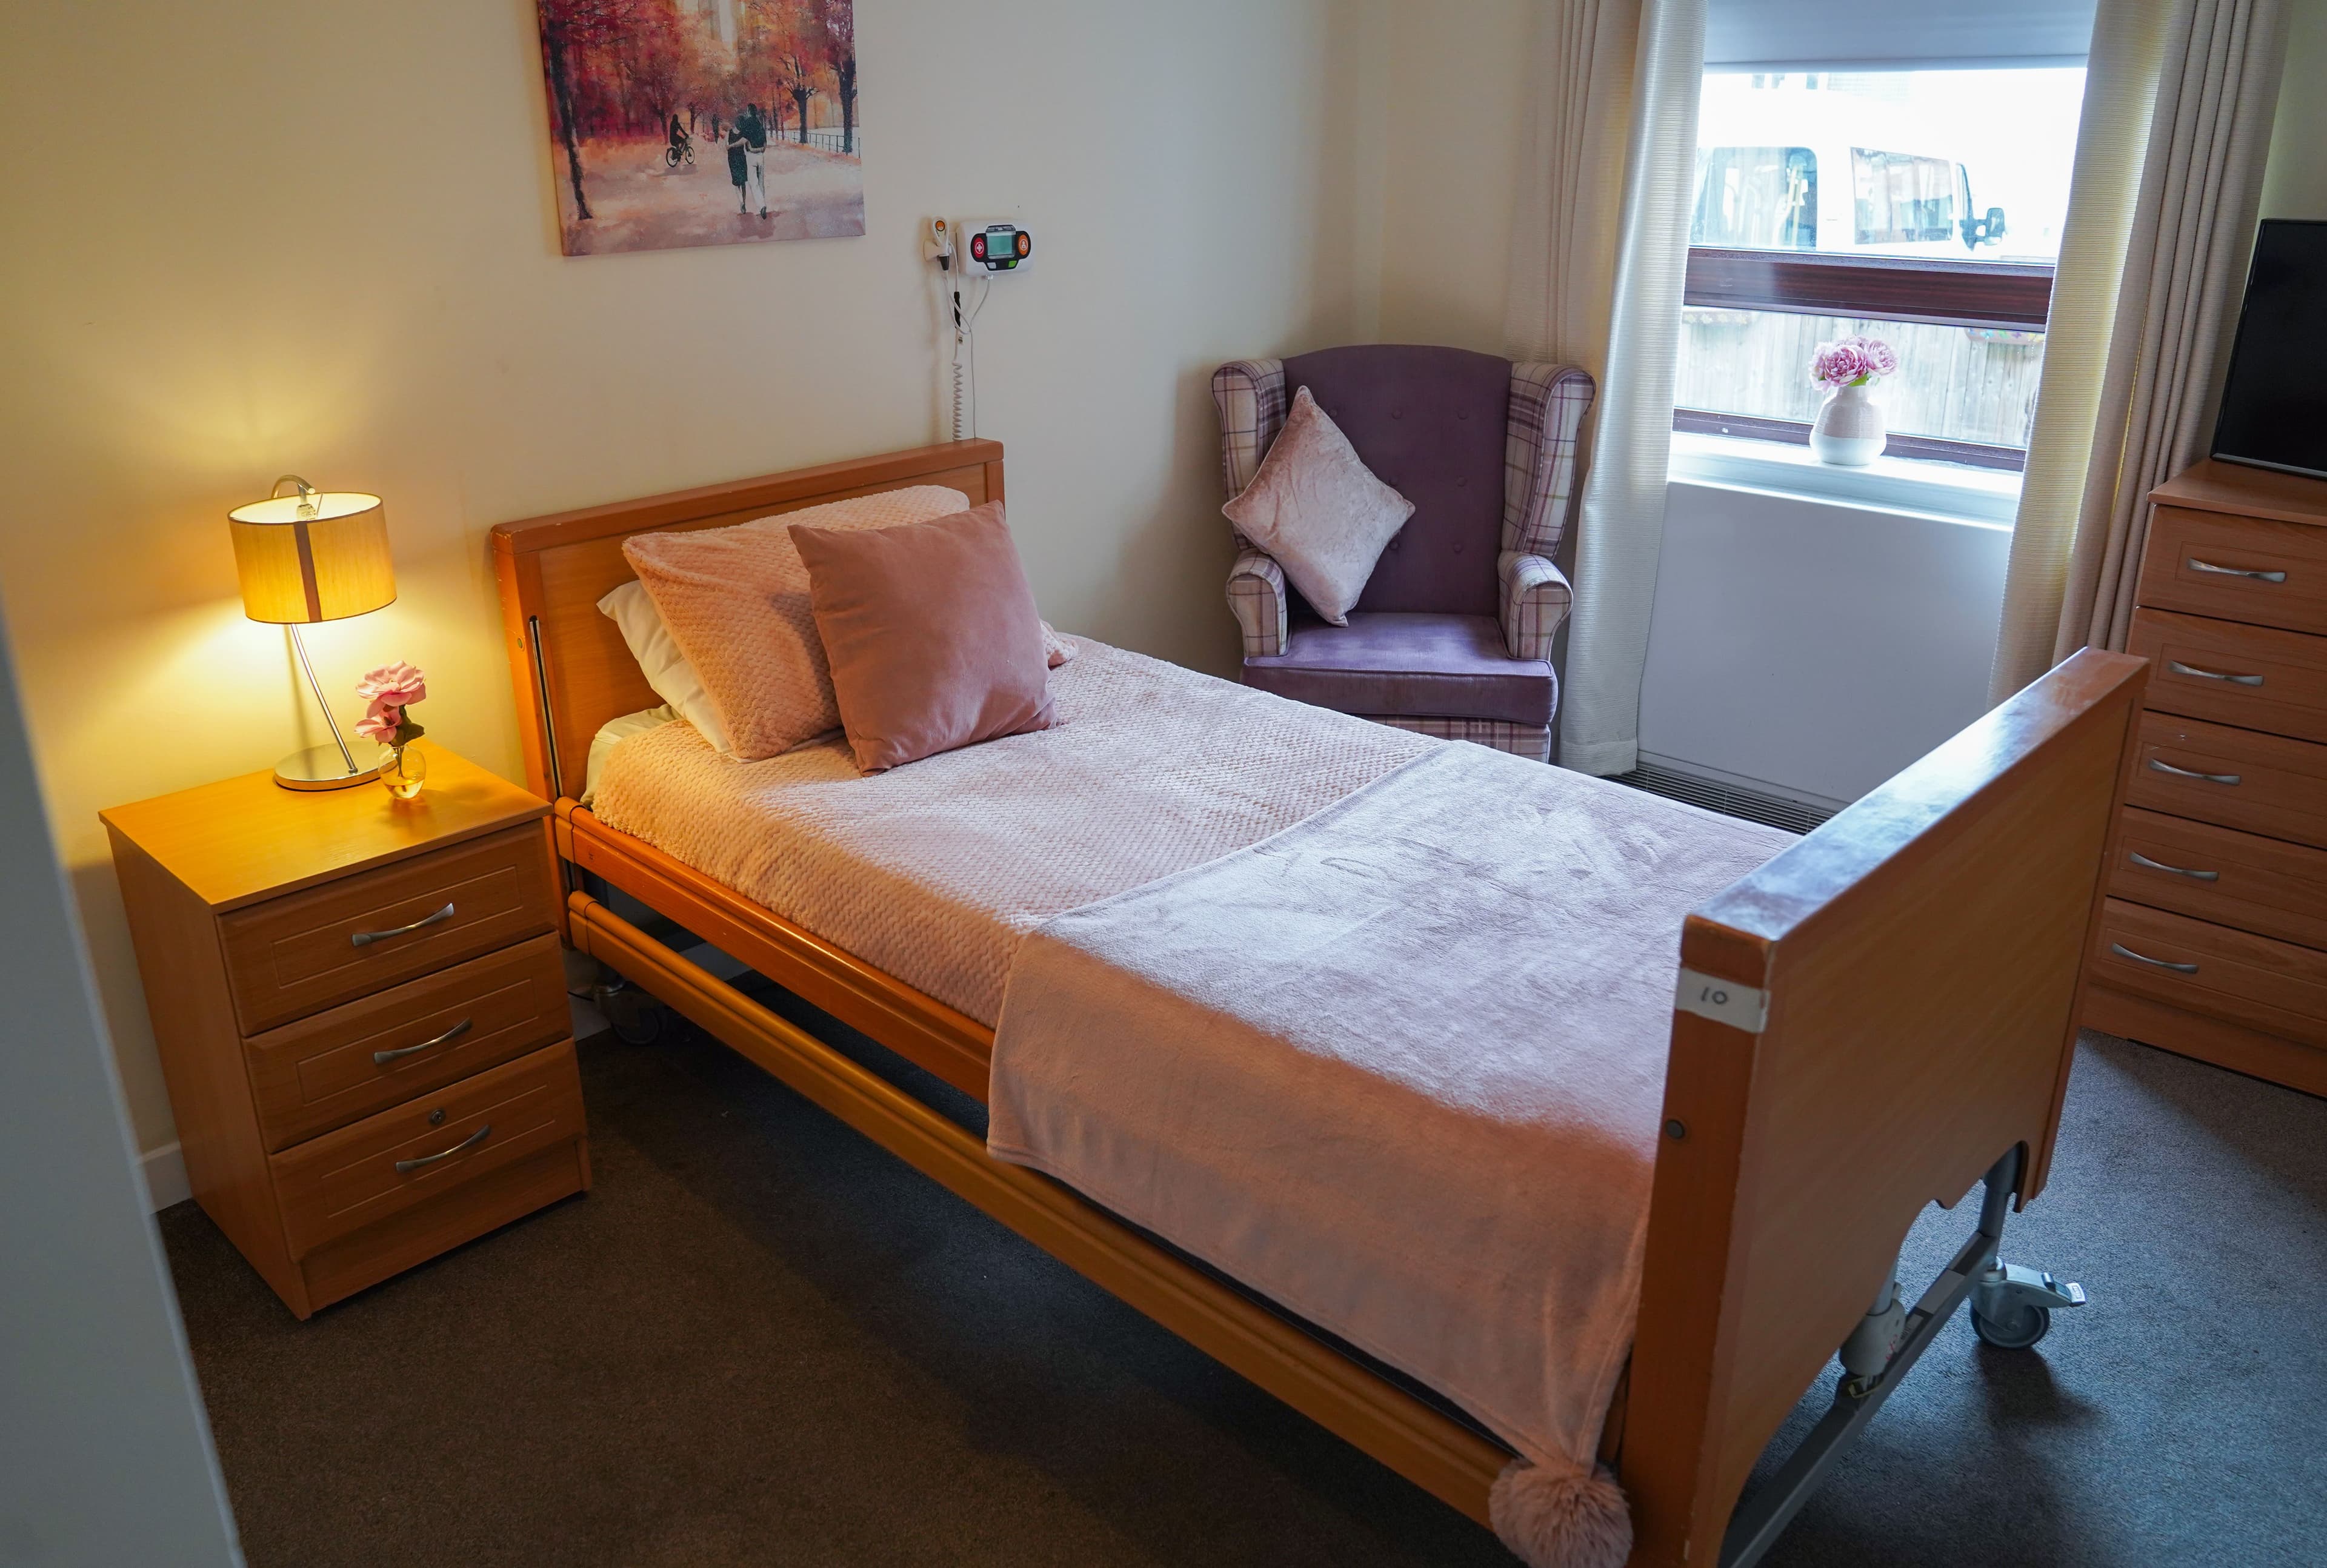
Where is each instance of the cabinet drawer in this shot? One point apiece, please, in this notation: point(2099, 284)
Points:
point(321, 1072)
point(2213, 970)
point(2236, 568)
point(2218, 874)
point(331, 1186)
point(293, 956)
point(2258, 783)
point(2254, 676)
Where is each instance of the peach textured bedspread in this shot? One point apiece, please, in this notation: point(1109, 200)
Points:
point(935, 871)
point(1398, 1067)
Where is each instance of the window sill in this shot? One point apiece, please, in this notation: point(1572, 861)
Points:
point(1956, 491)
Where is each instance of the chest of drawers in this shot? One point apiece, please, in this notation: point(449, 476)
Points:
point(2213, 939)
point(360, 1010)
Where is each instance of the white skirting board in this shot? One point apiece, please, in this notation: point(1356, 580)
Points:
point(164, 1170)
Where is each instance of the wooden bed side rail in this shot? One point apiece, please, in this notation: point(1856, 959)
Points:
point(567, 663)
point(1886, 1008)
point(917, 1027)
point(1440, 1454)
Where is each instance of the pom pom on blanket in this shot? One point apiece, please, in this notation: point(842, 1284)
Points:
point(1561, 1518)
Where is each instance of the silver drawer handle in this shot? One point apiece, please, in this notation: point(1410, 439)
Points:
point(405, 1167)
point(2186, 773)
point(2195, 565)
point(2138, 859)
point(2177, 667)
point(382, 1058)
point(2119, 948)
point(365, 938)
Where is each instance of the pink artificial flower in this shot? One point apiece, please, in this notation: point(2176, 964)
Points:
point(380, 724)
point(398, 684)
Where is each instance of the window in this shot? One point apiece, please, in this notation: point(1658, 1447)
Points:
point(1944, 192)
point(1759, 197)
point(1899, 198)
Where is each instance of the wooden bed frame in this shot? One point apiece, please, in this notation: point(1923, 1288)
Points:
point(1915, 964)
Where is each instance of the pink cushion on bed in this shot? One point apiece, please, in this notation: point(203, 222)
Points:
point(736, 600)
point(932, 634)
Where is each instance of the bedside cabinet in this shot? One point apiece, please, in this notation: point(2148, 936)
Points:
point(2213, 940)
point(361, 1008)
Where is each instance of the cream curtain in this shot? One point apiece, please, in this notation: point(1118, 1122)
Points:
point(2178, 105)
point(1599, 252)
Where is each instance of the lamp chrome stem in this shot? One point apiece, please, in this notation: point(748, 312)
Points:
point(300, 646)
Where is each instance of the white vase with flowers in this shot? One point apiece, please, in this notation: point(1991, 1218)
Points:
point(1849, 432)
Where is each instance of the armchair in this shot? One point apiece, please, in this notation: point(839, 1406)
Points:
point(1453, 635)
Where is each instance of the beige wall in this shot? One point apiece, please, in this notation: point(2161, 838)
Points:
point(269, 235)
point(1457, 98)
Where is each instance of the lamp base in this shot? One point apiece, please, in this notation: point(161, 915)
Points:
point(320, 768)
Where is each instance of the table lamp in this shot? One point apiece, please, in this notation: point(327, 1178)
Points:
point(313, 557)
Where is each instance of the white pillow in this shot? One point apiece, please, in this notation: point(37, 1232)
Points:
point(666, 668)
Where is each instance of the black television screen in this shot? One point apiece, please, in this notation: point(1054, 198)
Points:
point(2275, 399)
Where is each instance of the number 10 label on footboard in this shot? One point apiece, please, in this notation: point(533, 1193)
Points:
point(1746, 1007)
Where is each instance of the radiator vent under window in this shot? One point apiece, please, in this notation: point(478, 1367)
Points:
point(1730, 799)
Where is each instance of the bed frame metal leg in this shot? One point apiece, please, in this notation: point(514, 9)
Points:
point(1888, 1342)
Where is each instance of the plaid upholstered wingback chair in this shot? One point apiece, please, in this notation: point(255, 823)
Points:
point(1453, 634)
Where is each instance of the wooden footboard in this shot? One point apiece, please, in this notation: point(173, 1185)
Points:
point(1885, 1009)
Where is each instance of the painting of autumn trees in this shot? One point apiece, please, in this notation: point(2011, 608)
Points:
point(702, 122)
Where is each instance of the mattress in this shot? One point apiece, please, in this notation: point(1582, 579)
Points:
point(934, 872)
point(613, 733)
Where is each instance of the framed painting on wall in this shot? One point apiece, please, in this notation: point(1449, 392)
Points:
point(702, 122)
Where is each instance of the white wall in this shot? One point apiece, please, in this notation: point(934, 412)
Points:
point(105, 1455)
point(269, 235)
point(1816, 647)
point(2294, 181)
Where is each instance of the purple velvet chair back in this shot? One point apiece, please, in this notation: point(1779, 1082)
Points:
point(1430, 423)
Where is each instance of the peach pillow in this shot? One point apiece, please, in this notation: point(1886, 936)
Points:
point(1319, 511)
point(932, 634)
point(736, 600)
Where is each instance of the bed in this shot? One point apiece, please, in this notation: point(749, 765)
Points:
point(1877, 1018)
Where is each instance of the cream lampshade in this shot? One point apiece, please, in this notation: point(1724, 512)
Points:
point(313, 557)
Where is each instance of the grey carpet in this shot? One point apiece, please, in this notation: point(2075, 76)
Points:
point(762, 1341)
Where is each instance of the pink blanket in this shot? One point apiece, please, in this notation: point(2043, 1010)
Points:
point(1398, 1067)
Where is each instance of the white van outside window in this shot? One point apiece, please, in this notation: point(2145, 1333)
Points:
point(1758, 198)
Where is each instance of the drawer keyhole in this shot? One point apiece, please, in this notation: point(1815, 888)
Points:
point(435, 1117)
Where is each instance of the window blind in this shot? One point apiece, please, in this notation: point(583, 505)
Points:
point(1894, 35)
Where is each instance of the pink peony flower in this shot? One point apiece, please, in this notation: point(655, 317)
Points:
point(380, 724)
point(399, 685)
point(1852, 361)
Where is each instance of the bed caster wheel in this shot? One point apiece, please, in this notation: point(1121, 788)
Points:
point(2023, 1326)
point(2011, 1305)
point(635, 1017)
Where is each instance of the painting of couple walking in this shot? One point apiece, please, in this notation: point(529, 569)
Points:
point(762, 91)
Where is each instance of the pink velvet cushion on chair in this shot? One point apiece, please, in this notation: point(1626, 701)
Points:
point(931, 631)
point(1318, 510)
point(736, 600)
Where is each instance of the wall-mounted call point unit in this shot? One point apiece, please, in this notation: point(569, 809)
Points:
point(998, 245)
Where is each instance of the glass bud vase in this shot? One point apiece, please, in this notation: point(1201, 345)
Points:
point(404, 770)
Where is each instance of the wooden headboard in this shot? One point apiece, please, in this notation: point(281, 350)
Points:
point(570, 669)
